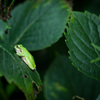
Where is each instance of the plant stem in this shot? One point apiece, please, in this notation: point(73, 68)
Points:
point(11, 3)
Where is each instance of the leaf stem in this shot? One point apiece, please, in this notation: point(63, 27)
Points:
point(11, 3)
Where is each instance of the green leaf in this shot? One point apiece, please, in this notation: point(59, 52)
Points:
point(37, 24)
point(16, 71)
point(98, 98)
point(3, 27)
point(62, 81)
point(84, 29)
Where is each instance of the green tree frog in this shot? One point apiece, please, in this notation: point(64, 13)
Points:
point(25, 56)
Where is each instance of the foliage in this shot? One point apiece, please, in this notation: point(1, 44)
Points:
point(68, 82)
point(83, 30)
point(29, 28)
point(39, 26)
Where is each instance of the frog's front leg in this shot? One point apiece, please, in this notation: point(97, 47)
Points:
point(20, 54)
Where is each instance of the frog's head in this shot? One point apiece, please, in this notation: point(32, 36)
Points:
point(18, 48)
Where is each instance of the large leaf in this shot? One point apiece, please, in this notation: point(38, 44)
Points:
point(62, 81)
point(37, 24)
point(84, 29)
point(16, 71)
point(3, 27)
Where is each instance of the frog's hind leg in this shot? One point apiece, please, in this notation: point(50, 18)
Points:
point(24, 59)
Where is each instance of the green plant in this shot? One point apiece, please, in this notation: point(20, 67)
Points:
point(39, 26)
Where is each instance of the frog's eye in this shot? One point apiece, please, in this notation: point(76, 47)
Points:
point(18, 46)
